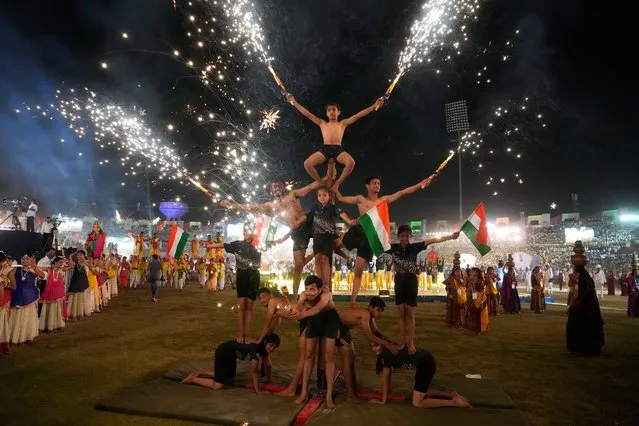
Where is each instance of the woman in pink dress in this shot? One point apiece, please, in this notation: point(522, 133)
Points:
point(7, 283)
point(54, 302)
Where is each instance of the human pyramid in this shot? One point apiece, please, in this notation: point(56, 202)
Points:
point(320, 325)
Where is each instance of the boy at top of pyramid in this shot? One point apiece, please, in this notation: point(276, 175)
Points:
point(332, 134)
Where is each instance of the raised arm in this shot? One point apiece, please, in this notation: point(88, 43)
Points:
point(272, 307)
point(452, 236)
point(348, 200)
point(406, 191)
point(363, 113)
point(315, 119)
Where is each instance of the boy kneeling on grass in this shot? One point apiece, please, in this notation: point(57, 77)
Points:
point(225, 363)
point(423, 363)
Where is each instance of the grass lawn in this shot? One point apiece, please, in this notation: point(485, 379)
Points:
point(59, 378)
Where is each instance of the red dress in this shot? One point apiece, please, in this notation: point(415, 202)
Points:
point(124, 274)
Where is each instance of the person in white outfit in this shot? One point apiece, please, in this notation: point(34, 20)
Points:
point(599, 277)
point(548, 278)
point(528, 280)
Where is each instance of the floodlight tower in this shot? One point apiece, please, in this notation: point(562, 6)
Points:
point(457, 122)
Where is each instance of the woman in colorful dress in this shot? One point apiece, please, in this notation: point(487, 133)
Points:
point(7, 285)
point(125, 267)
point(455, 299)
point(112, 269)
point(477, 316)
point(537, 298)
point(54, 303)
point(23, 318)
point(93, 285)
point(80, 302)
point(490, 281)
point(201, 272)
point(96, 241)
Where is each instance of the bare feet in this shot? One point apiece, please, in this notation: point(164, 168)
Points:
point(459, 402)
point(329, 403)
point(301, 400)
point(353, 398)
point(189, 378)
point(286, 392)
point(412, 349)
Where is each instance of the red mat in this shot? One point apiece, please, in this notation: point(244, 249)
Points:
point(267, 387)
point(376, 395)
point(312, 405)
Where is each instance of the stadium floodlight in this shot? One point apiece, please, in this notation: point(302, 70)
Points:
point(457, 122)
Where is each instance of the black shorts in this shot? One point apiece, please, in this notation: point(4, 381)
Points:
point(248, 282)
point(344, 337)
point(303, 324)
point(323, 244)
point(225, 363)
point(301, 235)
point(331, 152)
point(325, 324)
point(424, 373)
point(405, 289)
point(355, 238)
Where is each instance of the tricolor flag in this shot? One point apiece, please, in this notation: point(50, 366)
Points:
point(376, 226)
point(265, 229)
point(476, 230)
point(177, 242)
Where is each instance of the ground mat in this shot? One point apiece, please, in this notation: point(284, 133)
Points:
point(230, 406)
point(480, 392)
point(402, 413)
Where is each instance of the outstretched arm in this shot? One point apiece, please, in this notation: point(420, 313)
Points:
point(452, 236)
point(269, 320)
point(264, 207)
point(348, 200)
point(347, 219)
point(303, 192)
point(369, 333)
point(406, 191)
point(363, 113)
point(315, 119)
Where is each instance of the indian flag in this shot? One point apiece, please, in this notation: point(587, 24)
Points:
point(376, 226)
point(476, 230)
point(265, 230)
point(177, 242)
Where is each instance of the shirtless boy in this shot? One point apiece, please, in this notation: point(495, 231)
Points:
point(332, 134)
point(277, 309)
point(288, 206)
point(365, 318)
point(323, 322)
point(355, 237)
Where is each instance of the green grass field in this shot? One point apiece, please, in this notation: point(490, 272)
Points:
point(59, 378)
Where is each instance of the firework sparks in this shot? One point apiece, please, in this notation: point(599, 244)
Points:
point(246, 26)
point(269, 120)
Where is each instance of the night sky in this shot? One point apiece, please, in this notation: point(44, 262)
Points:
point(570, 58)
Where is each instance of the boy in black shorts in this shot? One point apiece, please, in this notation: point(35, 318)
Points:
point(225, 363)
point(423, 363)
point(323, 322)
point(406, 271)
point(247, 263)
point(332, 134)
point(324, 214)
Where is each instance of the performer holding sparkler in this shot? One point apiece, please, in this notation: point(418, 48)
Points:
point(332, 133)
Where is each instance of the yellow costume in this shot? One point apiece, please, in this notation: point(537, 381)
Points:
point(388, 277)
point(95, 290)
point(379, 280)
point(195, 248)
point(139, 246)
point(212, 277)
point(210, 251)
point(155, 246)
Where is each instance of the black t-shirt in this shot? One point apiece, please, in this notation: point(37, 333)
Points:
point(324, 218)
point(250, 351)
point(405, 258)
point(403, 359)
point(246, 256)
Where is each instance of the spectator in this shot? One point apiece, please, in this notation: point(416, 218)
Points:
point(155, 272)
point(46, 230)
point(31, 214)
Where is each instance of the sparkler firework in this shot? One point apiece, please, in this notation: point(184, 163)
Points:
point(269, 120)
point(433, 30)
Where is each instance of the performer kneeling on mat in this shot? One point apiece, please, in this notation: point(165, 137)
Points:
point(225, 363)
point(423, 363)
point(365, 318)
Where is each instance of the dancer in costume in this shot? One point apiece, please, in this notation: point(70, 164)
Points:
point(225, 363)
point(181, 269)
point(423, 363)
point(154, 242)
point(404, 256)
point(195, 248)
point(166, 265)
point(211, 271)
point(288, 206)
point(537, 297)
point(135, 273)
point(54, 302)
point(355, 238)
point(248, 260)
point(219, 260)
point(80, 300)
point(455, 297)
point(332, 134)
point(7, 285)
point(365, 318)
point(96, 241)
point(125, 268)
point(23, 317)
point(209, 244)
point(477, 313)
point(201, 271)
point(509, 294)
point(139, 245)
point(142, 273)
point(112, 268)
point(490, 280)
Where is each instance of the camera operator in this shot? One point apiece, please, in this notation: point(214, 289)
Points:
point(47, 231)
point(31, 214)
